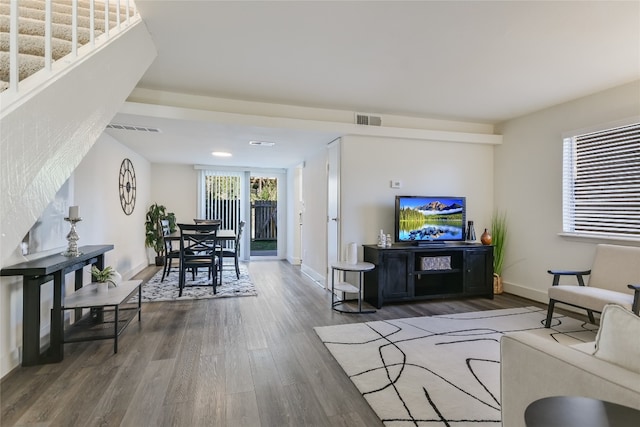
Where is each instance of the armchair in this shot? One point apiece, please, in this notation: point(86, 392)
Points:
point(614, 278)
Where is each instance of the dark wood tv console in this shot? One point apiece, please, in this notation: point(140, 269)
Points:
point(406, 272)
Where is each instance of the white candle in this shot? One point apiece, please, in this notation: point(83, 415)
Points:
point(73, 212)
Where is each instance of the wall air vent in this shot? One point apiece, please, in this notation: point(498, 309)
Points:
point(368, 120)
point(131, 127)
point(262, 143)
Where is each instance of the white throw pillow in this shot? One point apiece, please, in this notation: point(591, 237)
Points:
point(618, 339)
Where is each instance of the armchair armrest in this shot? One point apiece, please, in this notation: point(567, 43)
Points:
point(578, 274)
point(636, 298)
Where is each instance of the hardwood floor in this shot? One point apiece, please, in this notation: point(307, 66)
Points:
point(248, 361)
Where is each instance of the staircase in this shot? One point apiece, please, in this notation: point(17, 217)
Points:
point(49, 30)
point(54, 107)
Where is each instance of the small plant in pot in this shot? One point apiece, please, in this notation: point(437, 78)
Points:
point(499, 240)
point(154, 236)
point(104, 277)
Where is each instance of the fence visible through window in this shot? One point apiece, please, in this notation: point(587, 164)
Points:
point(265, 213)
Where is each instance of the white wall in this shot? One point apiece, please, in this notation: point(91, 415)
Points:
point(425, 168)
point(98, 198)
point(175, 187)
point(94, 188)
point(368, 164)
point(528, 187)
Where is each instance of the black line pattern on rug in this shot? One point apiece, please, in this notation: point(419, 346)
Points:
point(396, 364)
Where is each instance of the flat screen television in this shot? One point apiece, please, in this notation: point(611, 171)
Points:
point(428, 219)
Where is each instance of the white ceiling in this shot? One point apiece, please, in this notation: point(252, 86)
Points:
point(478, 61)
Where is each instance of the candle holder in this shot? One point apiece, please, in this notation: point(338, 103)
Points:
point(72, 238)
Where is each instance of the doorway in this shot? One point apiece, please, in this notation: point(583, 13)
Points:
point(264, 215)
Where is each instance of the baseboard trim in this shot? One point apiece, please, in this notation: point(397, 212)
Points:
point(318, 278)
point(522, 291)
point(10, 363)
point(294, 260)
point(539, 296)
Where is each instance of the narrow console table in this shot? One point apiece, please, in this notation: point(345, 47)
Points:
point(88, 297)
point(34, 274)
point(407, 272)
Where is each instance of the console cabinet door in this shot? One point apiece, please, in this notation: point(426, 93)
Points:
point(478, 271)
point(397, 280)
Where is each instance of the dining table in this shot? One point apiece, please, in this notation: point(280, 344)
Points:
point(222, 235)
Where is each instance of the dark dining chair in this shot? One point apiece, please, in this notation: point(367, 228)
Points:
point(207, 221)
point(234, 251)
point(171, 252)
point(198, 250)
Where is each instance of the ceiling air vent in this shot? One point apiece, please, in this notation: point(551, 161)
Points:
point(368, 120)
point(131, 127)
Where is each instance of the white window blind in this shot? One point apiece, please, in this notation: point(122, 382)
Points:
point(601, 182)
point(221, 197)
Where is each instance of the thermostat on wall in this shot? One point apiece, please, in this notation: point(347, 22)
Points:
point(396, 183)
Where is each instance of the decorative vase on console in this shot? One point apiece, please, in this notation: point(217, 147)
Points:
point(485, 238)
point(471, 232)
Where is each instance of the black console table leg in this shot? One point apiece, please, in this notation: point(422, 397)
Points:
point(31, 322)
point(56, 350)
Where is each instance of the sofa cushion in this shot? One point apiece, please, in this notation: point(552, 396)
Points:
point(589, 297)
point(618, 339)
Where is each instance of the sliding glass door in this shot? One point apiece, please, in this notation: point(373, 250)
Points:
point(264, 215)
point(257, 197)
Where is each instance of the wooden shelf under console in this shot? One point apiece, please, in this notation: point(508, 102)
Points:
point(405, 272)
point(109, 314)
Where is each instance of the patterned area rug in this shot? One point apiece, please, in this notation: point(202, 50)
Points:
point(231, 286)
point(438, 370)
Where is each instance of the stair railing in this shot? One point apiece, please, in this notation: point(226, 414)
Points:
point(17, 87)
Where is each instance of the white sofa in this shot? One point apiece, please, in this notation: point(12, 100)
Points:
point(533, 367)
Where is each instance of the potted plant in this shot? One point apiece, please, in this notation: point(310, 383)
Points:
point(104, 277)
point(153, 229)
point(499, 240)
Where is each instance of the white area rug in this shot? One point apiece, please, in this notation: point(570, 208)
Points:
point(438, 370)
point(154, 290)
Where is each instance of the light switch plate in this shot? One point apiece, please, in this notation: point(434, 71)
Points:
point(396, 183)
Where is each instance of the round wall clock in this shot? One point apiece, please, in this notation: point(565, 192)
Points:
point(127, 186)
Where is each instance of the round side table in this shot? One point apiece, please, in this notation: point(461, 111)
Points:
point(343, 286)
point(573, 411)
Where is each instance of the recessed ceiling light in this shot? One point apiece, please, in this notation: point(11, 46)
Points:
point(221, 154)
point(262, 143)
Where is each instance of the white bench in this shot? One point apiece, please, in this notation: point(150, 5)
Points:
point(90, 329)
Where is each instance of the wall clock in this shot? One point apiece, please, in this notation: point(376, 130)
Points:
point(127, 186)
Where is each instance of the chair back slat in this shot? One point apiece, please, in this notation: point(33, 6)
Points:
point(614, 267)
point(198, 238)
point(207, 221)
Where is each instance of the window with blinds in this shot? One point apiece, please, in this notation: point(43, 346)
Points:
point(221, 197)
point(601, 182)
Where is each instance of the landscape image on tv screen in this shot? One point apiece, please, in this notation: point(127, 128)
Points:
point(430, 218)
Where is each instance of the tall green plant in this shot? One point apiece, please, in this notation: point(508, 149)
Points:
point(153, 227)
point(499, 240)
